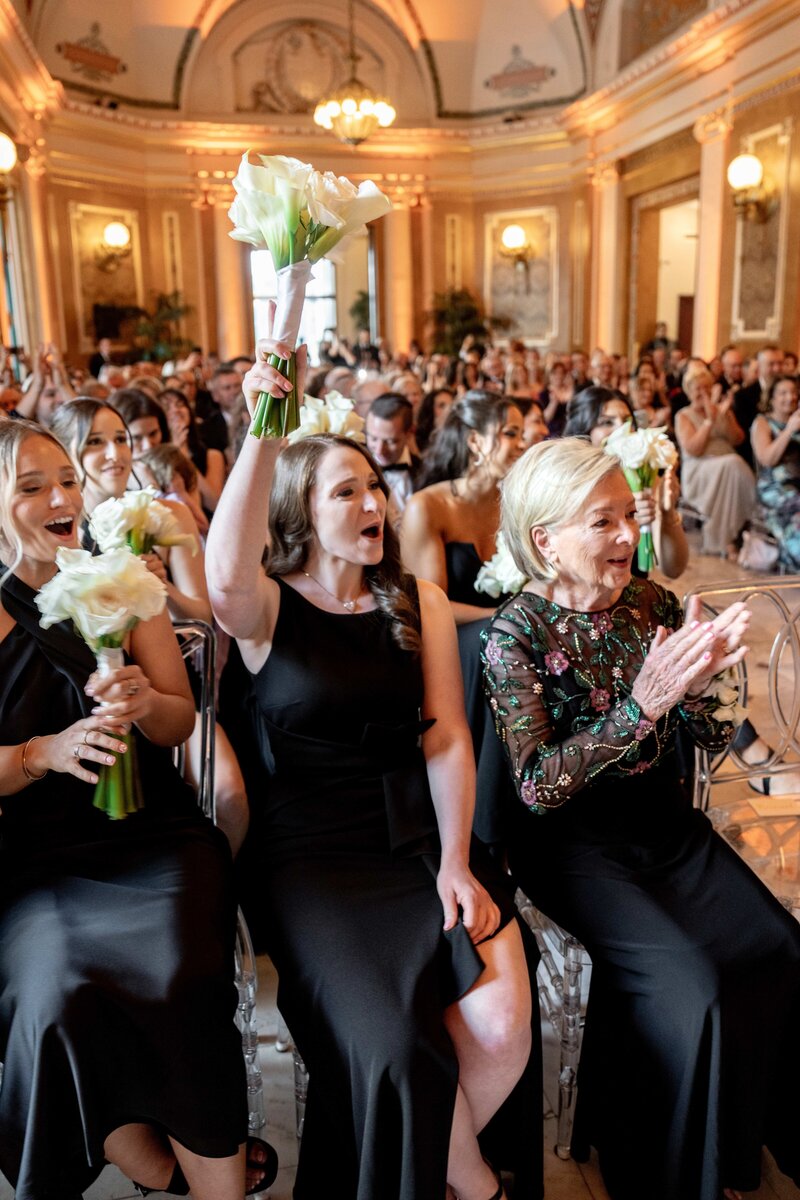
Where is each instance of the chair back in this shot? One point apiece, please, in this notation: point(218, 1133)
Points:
point(198, 643)
point(769, 678)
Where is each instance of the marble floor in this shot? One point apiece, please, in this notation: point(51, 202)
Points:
point(563, 1180)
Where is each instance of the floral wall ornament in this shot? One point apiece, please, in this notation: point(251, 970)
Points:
point(90, 57)
point(519, 77)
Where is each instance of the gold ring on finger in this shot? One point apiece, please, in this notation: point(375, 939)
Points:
point(86, 737)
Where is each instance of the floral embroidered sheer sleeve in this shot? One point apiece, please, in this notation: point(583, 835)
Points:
point(559, 685)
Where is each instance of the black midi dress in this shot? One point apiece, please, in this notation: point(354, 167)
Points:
point(691, 1052)
point(349, 852)
point(116, 946)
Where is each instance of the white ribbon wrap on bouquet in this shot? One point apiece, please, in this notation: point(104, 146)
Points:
point(646, 492)
point(292, 283)
point(108, 659)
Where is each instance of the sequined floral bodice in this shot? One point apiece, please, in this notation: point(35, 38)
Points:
point(559, 684)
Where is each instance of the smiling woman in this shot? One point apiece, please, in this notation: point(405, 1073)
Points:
point(401, 970)
point(134, 918)
point(591, 675)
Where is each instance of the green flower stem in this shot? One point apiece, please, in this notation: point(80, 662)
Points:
point(275, 417)
point(118, 792)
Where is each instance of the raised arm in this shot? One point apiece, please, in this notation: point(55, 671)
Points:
point(244, 601)
point(450, 761)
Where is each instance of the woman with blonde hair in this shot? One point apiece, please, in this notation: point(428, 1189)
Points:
point(116, 938)
point(591, 675)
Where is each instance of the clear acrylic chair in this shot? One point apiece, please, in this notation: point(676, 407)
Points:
point(563, 986)
point(198, 645)
point(763, 829)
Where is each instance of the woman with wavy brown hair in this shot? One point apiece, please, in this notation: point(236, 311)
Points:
point(401, 973)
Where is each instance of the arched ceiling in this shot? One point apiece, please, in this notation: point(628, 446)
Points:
point(438, 60)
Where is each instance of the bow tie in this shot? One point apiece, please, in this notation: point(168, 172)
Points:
point(398, 467)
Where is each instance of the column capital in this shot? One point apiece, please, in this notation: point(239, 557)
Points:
point(603, 174)
point(713, 126)
point(36, 164)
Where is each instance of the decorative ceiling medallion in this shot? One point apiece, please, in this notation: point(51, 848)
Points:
point(519, 78)
point(592, 10)
point(289, 67)
point(90, 57)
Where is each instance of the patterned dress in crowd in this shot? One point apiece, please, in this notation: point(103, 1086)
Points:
point(778, 493)
point(692, 1046)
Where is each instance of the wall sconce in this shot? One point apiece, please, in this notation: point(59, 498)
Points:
point(115, 246)
point(514, 244)
point(751, 197)
point(8, 160)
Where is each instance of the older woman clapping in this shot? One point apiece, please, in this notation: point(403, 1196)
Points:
point(696, 968)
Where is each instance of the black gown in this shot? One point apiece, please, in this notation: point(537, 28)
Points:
point(494, 792)
point(691, 1053)
point(116, 946)
point(349, 853)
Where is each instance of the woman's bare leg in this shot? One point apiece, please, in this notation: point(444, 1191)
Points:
point(141, 1154)
point(230, 798)
point(491, 1031)
point(212, 1178)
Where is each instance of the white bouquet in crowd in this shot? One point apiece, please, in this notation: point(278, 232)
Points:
point(104, 596)
point(642, 454)
point(334, 414)
point(500, 575)
point(299, 215)
point(138, 521)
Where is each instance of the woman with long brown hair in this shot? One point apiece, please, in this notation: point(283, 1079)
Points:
point(401, 975)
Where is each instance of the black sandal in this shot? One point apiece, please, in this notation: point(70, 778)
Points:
point(268, 1166)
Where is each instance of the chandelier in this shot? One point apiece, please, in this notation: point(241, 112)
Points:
point(353, 112)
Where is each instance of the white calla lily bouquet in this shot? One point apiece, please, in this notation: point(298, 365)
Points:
point(642, 453)
point(299, 214)
point(333, 414)
point(139, 521)
point(500, 575)
point(104, 596)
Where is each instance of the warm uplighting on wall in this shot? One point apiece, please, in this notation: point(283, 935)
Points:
point(8, 160)
point(750, 195)
point(115, 246)
point(353, 112)
point(514, 244)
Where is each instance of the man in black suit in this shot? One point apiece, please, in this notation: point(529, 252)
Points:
point(388, 433)
point(749, 401)
point(101, 356)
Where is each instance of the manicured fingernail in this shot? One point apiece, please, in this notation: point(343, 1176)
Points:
point(694, 624)
point(122, 747)
point(93, 779)
point(110, 759)
point(707, 655)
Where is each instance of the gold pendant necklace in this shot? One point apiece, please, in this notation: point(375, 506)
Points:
point(350, 605)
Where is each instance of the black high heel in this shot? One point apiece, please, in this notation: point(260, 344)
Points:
point(177, 1185)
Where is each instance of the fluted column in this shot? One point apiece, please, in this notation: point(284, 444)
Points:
point(606, 258)
point(42, 280)
point(234, 331)
point(713, 133)
point(398, 287)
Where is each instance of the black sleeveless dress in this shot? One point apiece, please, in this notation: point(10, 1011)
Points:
point(349, 848)
point(495, 798)
point(116, 946)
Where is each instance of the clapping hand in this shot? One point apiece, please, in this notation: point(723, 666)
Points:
point(681, 663)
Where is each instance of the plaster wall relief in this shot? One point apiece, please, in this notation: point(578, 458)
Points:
point(523, 287)
point(289, 66)
point(645, 24)
point(760, 252)
point(93, 287)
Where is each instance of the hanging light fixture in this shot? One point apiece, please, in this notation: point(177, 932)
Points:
point(353, 112)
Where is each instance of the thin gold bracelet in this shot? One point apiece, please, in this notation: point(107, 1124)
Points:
point(29, 774)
